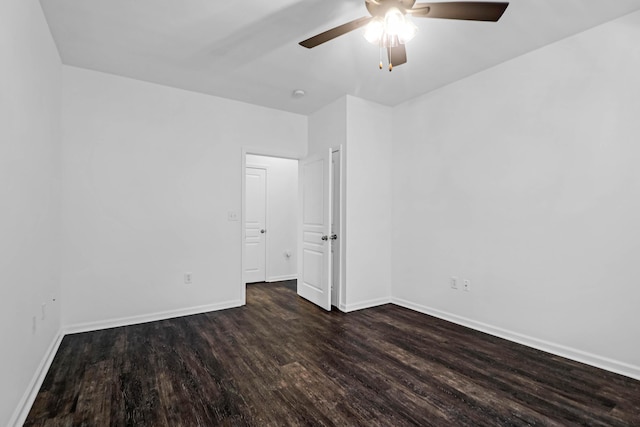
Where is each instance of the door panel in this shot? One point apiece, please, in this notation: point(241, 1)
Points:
point(313, 261)
point(255, 221)
point(315, 257)
point(313, 196)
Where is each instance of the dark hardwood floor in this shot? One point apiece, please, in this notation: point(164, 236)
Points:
point(282, 361)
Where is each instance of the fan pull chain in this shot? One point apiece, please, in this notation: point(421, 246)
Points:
point(380, 63)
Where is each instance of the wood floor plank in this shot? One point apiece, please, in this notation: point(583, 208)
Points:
point(282, 361)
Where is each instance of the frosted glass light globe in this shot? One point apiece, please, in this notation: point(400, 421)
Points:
point(393, 21)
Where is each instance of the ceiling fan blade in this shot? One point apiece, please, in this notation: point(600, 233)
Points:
point(335, 32)
point(397, 55)
point(466, 10)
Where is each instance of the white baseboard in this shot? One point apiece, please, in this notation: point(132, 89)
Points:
point(24, 406)
point(29, 396)
point(364, 304)
point(601, 362)
point(152, 317)
point(281, 278)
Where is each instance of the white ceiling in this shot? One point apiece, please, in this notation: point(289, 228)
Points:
point(248, 50)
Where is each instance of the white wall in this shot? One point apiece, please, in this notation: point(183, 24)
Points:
point(150, 174)
point(328, 127)
point(282, 215)
point(525, 179)
point(368, 195)
point(29, 221)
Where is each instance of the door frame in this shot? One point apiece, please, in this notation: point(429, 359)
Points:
point(341, 232)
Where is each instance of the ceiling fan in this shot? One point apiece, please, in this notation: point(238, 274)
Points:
point(389, 28)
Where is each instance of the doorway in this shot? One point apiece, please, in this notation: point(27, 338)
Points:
point(269, 219)
point(326, 276)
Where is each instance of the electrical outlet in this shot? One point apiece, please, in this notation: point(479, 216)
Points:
point(467, 285)
point(454, 283)
point(187, 278)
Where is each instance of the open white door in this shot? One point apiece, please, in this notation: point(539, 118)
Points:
point(314, 277)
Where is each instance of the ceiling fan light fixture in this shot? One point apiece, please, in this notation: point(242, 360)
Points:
point(389, 25)
point(407, 32)
point(374, 31)
point(390, 41)
point(391, 30)
point(393, 21)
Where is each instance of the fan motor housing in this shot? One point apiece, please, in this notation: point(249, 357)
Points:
point(380, 7)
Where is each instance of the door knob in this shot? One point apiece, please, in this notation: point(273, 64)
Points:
point(325, 237)
point(263, 231)
point(333, 237)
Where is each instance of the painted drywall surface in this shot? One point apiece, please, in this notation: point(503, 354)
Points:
point(150, 174)
point(29, 221)
point(282, 215)
point(368, 195)
point(328, 127)
point(525, 180)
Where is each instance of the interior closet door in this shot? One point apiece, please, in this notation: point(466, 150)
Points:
point(255, 223)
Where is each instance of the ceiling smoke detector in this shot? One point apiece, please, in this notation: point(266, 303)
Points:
point(298, 93)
